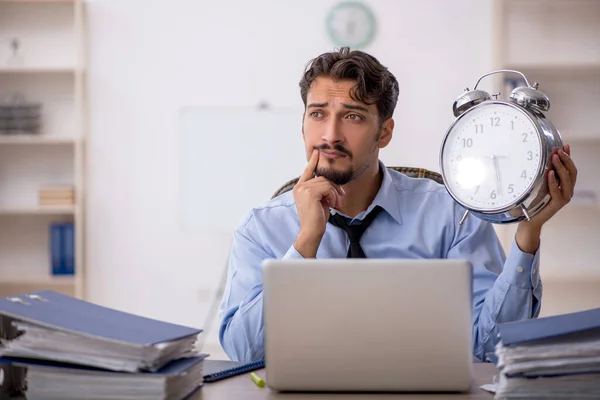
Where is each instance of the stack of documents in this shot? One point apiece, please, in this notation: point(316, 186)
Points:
point(54, 381)
point(73, 349)
point(57, 196)
point(552, 358)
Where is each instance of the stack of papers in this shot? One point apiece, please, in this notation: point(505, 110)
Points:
point(49, 344)
point(552, 358)
point(72, 349)
point(54, 381)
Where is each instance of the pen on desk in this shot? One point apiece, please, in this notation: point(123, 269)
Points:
point(257, 379)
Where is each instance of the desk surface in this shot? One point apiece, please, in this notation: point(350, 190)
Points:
point(241, 387)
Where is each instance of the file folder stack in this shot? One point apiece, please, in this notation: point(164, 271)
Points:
point(551, 358)
point(73, 349)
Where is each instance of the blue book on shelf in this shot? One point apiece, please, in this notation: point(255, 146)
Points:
point(62, 248)
point(57, 311)
point(68, 248)
point(56, 253)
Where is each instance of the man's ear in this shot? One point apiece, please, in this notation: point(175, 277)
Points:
point(387, 130)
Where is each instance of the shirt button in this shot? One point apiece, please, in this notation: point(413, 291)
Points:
point(520, 269)
point(533, 270)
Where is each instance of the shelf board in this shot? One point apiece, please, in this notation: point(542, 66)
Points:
point(48, 281)
point(42, 210)
point(34, 139)
point(37, 70)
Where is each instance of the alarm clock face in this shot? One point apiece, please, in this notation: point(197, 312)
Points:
point(491, 156)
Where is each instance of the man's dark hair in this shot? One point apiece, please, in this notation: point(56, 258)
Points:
point(375, 84)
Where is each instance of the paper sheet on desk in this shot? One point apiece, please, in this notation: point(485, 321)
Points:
point(490, 387)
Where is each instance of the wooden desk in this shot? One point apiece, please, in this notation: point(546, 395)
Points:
point(241, 387)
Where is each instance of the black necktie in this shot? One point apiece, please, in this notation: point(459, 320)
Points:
point(354, 231)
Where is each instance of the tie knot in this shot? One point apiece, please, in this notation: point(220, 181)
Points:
point(354, 231)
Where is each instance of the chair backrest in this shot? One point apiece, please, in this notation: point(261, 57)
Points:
point(409, 171)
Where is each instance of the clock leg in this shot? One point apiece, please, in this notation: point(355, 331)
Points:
point(464, 217)
point(525, 213)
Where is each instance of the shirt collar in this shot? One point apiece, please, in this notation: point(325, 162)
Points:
point(387, 196)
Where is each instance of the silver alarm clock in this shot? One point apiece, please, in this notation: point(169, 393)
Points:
point(495, 156)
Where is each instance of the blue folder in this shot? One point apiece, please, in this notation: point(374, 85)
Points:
point(64, 313)
point(547, 328)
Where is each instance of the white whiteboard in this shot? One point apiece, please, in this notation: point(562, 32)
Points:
point(233, 159)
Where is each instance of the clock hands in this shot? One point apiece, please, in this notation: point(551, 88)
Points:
point(498, 183)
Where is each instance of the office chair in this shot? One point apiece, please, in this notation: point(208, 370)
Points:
point(408, 171)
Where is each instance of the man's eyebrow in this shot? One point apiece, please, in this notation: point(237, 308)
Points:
point(355, 107)
point(346, 106)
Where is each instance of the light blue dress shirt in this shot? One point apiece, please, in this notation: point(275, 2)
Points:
point(420, 220)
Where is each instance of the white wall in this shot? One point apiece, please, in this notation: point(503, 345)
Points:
point(150, 58)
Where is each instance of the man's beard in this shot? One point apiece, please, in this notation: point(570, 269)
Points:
point(330, 173)
point(344, 176)
point(336, 176)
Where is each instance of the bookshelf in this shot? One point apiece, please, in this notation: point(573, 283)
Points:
point(42, 61)
point(557, 44)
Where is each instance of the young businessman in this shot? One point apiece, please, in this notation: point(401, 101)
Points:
point(349, 100)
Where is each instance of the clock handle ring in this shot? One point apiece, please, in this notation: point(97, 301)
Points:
point(498, 71)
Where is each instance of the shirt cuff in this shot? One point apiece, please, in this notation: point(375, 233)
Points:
point(292, 253)
point(522, 269)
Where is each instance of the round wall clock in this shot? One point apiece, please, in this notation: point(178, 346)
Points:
point(352, 24)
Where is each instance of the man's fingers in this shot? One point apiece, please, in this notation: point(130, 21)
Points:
point(328, 196)
point(323, 189)
point(563, 174)
point(332, 199)
point(324, 182)
point(338, 189)
point(309, 171)
point(553, 187)
point(567, 161)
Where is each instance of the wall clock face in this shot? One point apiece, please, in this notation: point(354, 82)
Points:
point(351, 24)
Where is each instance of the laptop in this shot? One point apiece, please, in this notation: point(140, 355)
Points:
point(377, 325)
